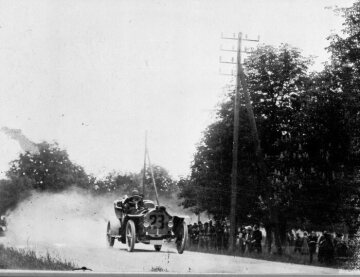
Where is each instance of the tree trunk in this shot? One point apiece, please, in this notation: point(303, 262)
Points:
point(283, 228)
point(268, 229)
point(278, 239)
point(274, 215)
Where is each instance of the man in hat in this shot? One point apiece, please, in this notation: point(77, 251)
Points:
point(134, 202)
point(256, 239)
point(312, 244)
point(248, 238)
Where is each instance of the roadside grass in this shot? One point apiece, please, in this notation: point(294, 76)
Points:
point(12, 258)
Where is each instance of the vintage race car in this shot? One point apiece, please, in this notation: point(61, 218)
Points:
point(139, 220)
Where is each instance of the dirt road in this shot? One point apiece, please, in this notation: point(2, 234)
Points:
point(145, 259)
point(72, 226)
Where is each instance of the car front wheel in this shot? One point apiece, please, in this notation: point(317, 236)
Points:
point(109, 238)
point(130, 235)
point(181, 238)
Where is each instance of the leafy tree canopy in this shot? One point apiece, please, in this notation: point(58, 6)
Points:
point(50, 169)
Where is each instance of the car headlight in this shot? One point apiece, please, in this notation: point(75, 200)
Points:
point(170, 224)
point(146, 223)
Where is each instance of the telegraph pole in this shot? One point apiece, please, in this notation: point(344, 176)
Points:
point(144, 170)
point(152, 177)
point(240, 85)
point(147, 156)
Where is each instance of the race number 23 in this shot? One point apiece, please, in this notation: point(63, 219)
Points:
point(158, 220)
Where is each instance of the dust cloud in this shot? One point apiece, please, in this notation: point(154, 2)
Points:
point(25, 143)
point(172, 205)
point(71, 218)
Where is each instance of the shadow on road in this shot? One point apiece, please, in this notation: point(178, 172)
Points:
point(148, 250)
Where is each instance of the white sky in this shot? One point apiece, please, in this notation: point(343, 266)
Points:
point(94, 75)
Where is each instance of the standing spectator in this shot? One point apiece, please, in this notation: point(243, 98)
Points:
point(212, 234)
point(256, 239)
point(312, 241)
point(328, 248)
point(226, 235)
point(206, 235)
point(290, 238)
point(305, 245)
point(201, 234)
point(340, 245)
point(321, 248)
point(237, 236)
point(242, 239)
point(190, 232)
point(248, 238)
point(219, 235)
point(195, 234)
point(298, 243)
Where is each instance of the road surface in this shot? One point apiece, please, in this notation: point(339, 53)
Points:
point(145, 259)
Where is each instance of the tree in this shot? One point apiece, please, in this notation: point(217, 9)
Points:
point(306, 137)
point(306, 140)
point(166, 186)
point(343, 74)
point(208, 187)
point(49, 169)
point(116, 183)
point(275, 77)
point(124, 183)
point(13, 192)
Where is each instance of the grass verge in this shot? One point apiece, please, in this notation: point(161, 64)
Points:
point(12, 258)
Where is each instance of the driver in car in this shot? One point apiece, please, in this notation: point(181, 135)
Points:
point(134, 202)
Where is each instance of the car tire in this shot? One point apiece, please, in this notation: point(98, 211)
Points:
point(130, 234)
point(110, 240)
point(157, 247)
point(181, 237)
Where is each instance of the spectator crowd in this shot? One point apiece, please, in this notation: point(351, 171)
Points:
point(214, 236)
